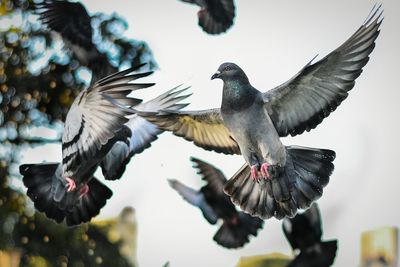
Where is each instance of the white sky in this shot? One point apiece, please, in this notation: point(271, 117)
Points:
point(271, 41)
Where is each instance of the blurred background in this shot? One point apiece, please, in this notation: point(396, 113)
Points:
point(271, 42)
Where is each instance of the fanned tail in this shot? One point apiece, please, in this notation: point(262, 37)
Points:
point(47, 189)
point(298, 184)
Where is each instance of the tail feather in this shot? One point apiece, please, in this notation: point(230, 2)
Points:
point(236, 235)
point(90, 204)
point(46, 188)
point(295, 186)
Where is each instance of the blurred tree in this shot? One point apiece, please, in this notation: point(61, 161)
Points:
point(38, 82)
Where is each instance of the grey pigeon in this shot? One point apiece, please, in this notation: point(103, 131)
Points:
point(73, 23)
point(304, 233)
point(237, 226)
point(215, 16)
point(249, 122)
point(68, 190)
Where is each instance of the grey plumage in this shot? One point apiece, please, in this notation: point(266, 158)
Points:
point(251, 123)
point(237, 226)
point(215, 16)
point(92, 126)
point(96, 132)
point(142, 133)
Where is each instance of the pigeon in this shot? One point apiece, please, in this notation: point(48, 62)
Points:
point(304, 233)
point(215, 16)
point(73, 23)
point(237, 226)
point(276, 180)
point(94, 125)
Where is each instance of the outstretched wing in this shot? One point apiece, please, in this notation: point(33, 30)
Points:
point(143, 133)
point(214, 177)
point(205, 128)
point(318, 89)
point(93, 120)
point(71, 20)
point(195, 198)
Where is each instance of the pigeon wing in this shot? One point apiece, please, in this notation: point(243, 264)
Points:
point(318, 89)
point(71, 20)
point(93, 119)
point(143, 133)
point(314, 217)
point(195, 198)
point(205, 128)
point(213, 176)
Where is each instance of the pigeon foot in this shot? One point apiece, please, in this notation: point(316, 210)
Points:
point(70, 184)
point(264, 170)
point(254, 172)
point(84, 190)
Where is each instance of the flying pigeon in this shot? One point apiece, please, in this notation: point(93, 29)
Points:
point(276, 180)
point(304, 233)
point(73, 23)
point(94, 125)
point(215, 16)
point(237, 226)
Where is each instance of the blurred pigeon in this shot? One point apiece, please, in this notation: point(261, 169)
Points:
point(73, 23)
point(304, 233)
point(251, 123)
point(215, 16)
point(68, 190)
point(214, 204)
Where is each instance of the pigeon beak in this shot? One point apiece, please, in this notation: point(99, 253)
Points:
point(216, 75)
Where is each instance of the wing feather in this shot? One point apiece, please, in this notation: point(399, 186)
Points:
point(205, 128)
point(318, 89)
point(93, 121)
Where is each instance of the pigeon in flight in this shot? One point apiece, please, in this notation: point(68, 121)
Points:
point(215, 16)
point(304, 233)
point(93, 127)
point(237, 226)
point(276, 180)
point(73, 23)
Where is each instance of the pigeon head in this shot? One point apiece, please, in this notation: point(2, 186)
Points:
point(229, 71)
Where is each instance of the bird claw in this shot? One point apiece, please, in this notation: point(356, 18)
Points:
point(254, 173)
point(264, 171)
point(70, 184)
point(84, 190)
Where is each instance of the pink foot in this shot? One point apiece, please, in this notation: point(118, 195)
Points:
point(264, 170)
point(254, 172)
point(70, 184)
point(84, 190)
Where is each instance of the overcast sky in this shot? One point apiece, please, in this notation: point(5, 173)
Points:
point(271, 41)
